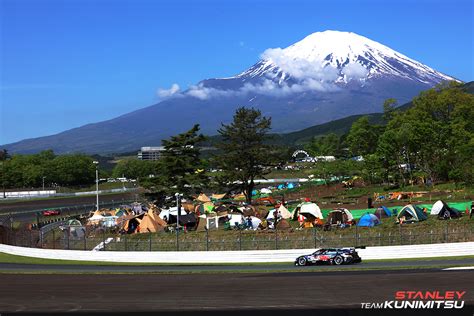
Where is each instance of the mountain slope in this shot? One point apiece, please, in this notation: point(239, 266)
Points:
point(326, 76)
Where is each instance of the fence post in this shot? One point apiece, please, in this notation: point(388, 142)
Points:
point(68, 233)
point(315, 237)
point(276, 238)
point(103, 239)
point(400, 233)
point(126, 246)
point(177, 238)
point(207, 239)
point(240, 238)
point(357, 236)
point(150, 240)
point(85, 240)
point(446, 238)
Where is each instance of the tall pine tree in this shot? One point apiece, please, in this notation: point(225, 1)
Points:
point(245, 155)
point(181, 169)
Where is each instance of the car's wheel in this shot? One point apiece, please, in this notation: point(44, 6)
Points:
point(302, 261)
point(338, 260)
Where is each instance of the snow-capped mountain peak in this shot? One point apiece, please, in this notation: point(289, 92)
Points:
point(333, 56)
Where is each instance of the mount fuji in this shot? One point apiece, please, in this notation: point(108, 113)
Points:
point(326, 76)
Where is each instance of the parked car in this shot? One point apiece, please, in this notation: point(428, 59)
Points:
point(51, 212)
point(335, 256)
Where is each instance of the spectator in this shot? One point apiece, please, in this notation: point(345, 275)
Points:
point(249, 222)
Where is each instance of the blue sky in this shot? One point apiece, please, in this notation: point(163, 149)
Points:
point(64, 64)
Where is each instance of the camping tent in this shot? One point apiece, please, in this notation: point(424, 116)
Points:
point(255, 222)
point(218, 196)
point(368, 220)
point(308, 209)
point(443, 211)
point(235, 219)
point(171, 211)
point(151, 223)
point(203, 198)
point(96, 218)
point(188, 220)
point(282, 211)
point(285, 214)
point(265, 191)
point(339, 216)
point(410, 214)
point(203, 208)
point(283, 225)
point(383, 211)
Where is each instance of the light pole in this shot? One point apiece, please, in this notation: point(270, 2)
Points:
point(178, 207)
point(43, 182)
point(178, 210)
point(96, 163)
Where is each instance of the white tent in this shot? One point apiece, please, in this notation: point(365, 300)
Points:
point(235, 218)
point(265, 191)
point(172, 211)
point(437, 207)
point(310, 209)
point(95, 218)
point(255, 222)
point(349, 214)
point(270, 214)
point(284, 212)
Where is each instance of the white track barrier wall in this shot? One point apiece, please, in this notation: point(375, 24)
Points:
point(213, 257)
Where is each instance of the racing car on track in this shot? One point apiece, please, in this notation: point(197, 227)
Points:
point(50, 212)
point(335, 256)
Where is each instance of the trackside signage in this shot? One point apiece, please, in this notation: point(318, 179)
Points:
point(421, 300)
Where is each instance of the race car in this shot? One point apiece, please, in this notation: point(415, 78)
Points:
point(335, 256)
point(50, 212)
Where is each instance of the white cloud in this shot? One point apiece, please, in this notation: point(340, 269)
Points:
point(355, 71)
point(299, 68)
point(307, 75)
point(203, 93)
point(166, 93)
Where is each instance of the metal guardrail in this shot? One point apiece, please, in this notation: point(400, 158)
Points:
point(216, 257)
point(45, 194)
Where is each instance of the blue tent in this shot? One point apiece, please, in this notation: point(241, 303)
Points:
point(368, 220)
point(281, 186)
point(385, 213)
point(290, 186)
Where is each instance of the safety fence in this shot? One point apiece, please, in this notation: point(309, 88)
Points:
point(87, 238)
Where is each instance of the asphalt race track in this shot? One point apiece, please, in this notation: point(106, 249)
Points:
point(220, 292)
point(286, 267)
point(37, 204)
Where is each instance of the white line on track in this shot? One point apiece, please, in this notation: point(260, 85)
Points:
point(459, 268)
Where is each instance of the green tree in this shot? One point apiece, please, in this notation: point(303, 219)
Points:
point(4, 156)
point(362, 138)
point(70, 170)
point(389, 109)
point(326, 145)
point(180, 167)
point(245, 153)
point(435, 134)
point(134, 168)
